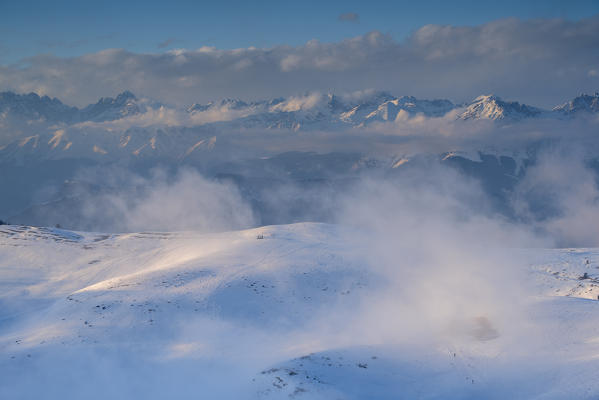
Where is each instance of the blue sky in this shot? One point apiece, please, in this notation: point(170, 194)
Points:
point(72, 28)
point(538, 52)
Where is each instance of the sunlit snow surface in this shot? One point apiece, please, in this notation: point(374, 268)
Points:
point(273, 312)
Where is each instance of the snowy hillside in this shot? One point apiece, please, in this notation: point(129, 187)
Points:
point(277, 312)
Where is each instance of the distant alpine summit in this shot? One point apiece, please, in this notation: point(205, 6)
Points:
point(33, 107)
point(494, 108)
point(581, 104)
point(109, 109)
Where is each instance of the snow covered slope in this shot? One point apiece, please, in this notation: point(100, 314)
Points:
point(270, 312)
point(409, 105)
point(494, 108)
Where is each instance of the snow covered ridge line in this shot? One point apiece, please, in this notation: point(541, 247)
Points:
point(293, 112)
point(31, 106)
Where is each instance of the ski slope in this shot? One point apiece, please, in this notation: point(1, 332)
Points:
point(271, 313)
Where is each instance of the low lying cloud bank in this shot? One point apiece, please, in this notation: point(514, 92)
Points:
point(160, 202)
point(553, 200)
point(560, 196)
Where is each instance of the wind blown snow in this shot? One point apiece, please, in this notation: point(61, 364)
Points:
point(413, 293)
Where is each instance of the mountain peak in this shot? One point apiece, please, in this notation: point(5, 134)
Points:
point(33, 107)
point(126, 95)
point(109, 109)
point(582, 103)
point(121, 98)
point(494, 108)
point(487, 98)
point(233, 103)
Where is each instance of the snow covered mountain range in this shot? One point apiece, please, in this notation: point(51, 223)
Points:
point(45, 128)
point(294, 112)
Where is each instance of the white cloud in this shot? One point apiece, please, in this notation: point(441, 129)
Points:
point(290, 62)
point(514, 58)
point(560, 194)
point(185, 201)
point(297, 103)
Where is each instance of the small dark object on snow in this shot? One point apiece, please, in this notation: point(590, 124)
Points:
point(584, 276)
point(260, 236)
point(362, 365)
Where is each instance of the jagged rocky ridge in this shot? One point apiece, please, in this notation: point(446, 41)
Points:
point(293, 112)
point(33, 107)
